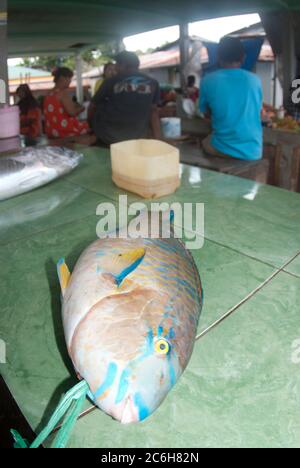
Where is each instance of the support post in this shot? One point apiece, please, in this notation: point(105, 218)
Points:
point(4, 91)
point(120, 46)
point(184, 52)
point(79, 86)
point(289, 62)
point(275, 84)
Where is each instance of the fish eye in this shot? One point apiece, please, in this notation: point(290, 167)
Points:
point(162, 347)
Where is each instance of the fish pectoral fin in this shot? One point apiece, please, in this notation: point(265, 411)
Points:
point(63, 274)
point(125, 263)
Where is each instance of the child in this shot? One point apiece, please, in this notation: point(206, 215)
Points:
point(30, 114)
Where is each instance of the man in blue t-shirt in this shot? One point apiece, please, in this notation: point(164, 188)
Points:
point(233, 98)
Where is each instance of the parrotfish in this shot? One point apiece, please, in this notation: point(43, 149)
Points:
point(130, 313)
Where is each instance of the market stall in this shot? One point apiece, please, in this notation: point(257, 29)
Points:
point(239, 389)
point(241, 385)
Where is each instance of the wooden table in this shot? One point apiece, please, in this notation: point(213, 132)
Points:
point(285, 158)
point(288, 148)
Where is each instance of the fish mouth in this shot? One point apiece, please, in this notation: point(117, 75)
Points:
point(129, 412)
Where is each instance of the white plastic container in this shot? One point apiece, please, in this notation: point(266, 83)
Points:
point(171, 127)
point(9, 122)
point(149, 168)
point(281, 113)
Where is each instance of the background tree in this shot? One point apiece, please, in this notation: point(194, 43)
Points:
point(91, 58)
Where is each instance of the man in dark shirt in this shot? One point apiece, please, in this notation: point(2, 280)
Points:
point(293, 107)
point(125, 106)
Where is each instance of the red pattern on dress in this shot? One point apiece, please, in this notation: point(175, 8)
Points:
point(58, 123)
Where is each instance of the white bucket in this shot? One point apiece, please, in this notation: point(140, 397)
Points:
point(171, 127)
point(9, 122)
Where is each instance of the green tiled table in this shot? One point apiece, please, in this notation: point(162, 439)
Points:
point(242, 386)
point(294, 267)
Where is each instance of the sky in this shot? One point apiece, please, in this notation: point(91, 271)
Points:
point(212, 30)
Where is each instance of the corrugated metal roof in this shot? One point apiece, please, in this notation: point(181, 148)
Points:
point(37, 26)
point(170, 58)
point(250, 31)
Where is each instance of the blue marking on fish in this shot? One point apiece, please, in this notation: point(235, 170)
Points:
point(100, 253)
point(161, 269)
point(149, 343)
point(119, 278)
point(141, 406)
point(192, 291)
point(163, 245)
point(148, 348)
point(123, 385)
point(172, 373)
point(109, 379)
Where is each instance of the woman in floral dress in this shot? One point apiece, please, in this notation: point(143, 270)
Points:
point(61, 111)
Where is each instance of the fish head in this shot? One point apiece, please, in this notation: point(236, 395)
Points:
point(145, 380)
point(129, 359)
point(131, 390)
point(57, 158)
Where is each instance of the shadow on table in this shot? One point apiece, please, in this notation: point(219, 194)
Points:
point(67, 384)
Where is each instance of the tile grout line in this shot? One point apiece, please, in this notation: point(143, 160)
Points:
point(193, 232)
point(230, 312)
point(29, 236)
point(113, 200)
point(293, 275)
point(246, 299)
point(82, 415)
point(213, 325)
point(104, 195)
point(63, 224)
point(18, 198)
point(241, 253)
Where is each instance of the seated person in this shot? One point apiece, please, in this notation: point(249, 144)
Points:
point(30, 114)
point(232, 97)
point(126, 104)
point(109, 71)
point(61, 111)
point(192, 91)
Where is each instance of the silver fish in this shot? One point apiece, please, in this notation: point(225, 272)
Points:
point(34, 167)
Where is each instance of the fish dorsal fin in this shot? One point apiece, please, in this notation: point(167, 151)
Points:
point(122, 264)
point(63, 274)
